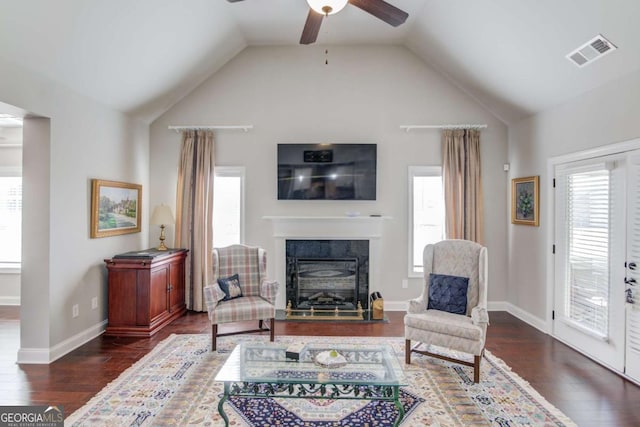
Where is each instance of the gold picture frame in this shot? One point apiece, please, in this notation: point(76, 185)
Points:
point(525, 201)
point(115, 208)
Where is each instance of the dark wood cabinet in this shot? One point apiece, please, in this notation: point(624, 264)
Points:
point(146, 291)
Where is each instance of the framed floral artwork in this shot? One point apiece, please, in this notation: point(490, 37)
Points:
point(525, 201)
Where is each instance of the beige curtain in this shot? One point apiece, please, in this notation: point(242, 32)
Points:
point(194, 211)
point(462, 184)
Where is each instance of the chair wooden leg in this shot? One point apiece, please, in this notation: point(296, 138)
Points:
point(260, 324)
point(272, 323)
point(214, 336)
point(407, 352)
point(476, 368)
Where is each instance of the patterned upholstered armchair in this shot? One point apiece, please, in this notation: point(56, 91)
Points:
point(258, 295)
point(451, 325)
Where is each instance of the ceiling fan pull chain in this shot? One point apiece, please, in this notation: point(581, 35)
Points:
point(326, 57)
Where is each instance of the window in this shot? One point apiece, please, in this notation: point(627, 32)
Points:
point(10, 218)
point(228, 206)
point(426, 212)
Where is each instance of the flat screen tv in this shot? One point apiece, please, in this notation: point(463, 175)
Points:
point(327, 171)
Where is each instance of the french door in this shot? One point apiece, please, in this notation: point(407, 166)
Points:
point(597, 235)
point(632, 269)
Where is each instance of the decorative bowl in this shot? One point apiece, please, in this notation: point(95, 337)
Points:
point(330, 359)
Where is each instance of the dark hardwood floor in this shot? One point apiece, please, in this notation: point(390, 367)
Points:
point(585, 391)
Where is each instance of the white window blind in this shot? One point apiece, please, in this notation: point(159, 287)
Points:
point(588, 226)
point(10, 219)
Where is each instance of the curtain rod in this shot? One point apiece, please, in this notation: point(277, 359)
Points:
point(232, 127)
point(469, 126)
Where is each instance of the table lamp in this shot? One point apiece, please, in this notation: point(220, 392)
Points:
point(162, 215)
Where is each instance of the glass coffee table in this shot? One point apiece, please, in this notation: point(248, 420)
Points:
point(256, 370)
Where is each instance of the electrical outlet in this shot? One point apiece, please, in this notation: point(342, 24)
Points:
point(75, 310)
point(94, 303)
point(405, 283)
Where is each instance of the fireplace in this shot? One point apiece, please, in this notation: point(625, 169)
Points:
point(364, 234)
point(327, 274)
point(326, 283)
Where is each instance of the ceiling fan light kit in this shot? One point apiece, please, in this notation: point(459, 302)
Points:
point(327, 7)
point(318, 9)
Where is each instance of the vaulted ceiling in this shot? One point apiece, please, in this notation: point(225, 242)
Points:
point(142, 56)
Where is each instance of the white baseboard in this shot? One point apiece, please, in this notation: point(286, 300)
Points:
point(498, 306)
point(9, 300)
point(48, 355)
point(396, 305)
point(529, 318)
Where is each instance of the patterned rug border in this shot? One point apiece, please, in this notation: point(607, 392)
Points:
point(125, 377)
point(526, 387)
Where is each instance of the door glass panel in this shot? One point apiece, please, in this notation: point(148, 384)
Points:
point(588, 226)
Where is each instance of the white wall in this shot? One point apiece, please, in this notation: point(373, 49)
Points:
point(364, 94)
point(601, 117)
point(62, 266)
point(10, 287)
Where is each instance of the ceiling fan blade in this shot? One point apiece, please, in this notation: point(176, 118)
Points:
point(311, 27)
point(233, 1)
point(382, 10)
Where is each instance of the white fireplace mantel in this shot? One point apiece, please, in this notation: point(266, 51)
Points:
point(327, 227)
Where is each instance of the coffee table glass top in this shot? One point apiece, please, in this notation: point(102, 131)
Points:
point(372, 365)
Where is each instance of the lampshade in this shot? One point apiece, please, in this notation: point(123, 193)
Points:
point(162, 215)
point(327, 7)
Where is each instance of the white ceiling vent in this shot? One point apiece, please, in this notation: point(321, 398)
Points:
point(594, 49)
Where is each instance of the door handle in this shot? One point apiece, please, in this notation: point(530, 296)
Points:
point(629, 296)
point(632, 266)
point(631, 281)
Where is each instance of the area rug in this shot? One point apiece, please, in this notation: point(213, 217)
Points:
point(174, 385)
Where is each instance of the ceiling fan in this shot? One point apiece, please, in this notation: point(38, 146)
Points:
point(318, 9)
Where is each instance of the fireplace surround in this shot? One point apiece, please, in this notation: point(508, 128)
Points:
point(327, 274)
point(368, 228)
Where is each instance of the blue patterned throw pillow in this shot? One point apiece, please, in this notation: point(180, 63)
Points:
point(448, 293)
point(231, 287)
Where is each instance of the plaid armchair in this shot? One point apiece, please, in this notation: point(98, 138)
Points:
point(465, 332)
point(258, 294)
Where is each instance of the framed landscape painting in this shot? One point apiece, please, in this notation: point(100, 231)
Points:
point(525, 205)
point(115, 208)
